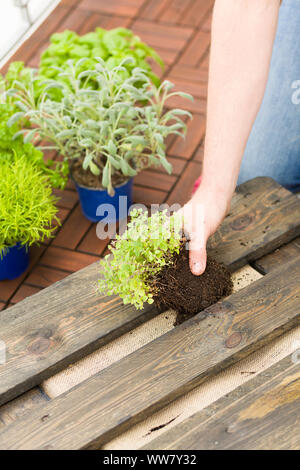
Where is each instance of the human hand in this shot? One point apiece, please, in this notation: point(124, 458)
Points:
point(202, 216)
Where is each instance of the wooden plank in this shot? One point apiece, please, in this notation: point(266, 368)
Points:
point(262, 414)
point(114, 7)
point(16, 408)
point(67, 320)
point(263, 216)
point(197, 13)
point(57, 326)
point(131, 389)
point(283, 254)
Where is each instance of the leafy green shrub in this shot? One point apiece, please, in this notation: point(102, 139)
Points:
point(27, 206)
point(112, 46)
point(108, 128)
point(138, 255)
point(16, 71)
point(12, 145)
point(12, 142)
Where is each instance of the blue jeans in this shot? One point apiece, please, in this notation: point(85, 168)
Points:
point(273, 147)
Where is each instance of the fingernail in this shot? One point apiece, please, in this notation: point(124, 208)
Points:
point(197, 268)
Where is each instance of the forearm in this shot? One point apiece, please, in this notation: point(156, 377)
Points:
point(243, 33)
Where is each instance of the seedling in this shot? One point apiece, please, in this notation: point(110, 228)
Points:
point(137, 257)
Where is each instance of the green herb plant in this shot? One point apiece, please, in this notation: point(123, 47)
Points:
point(116, 129)
point(112, 46)
point(137, 257)
point(12, 144)
point(27, 206)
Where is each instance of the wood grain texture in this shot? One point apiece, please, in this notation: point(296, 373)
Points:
point(57, 326)
point(284, 254)
point(263, 216)
point(18, 407)
point(263, 414)
point(64, 322)
point(133, 388)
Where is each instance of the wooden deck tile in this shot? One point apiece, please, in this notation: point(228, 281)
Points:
point(23, 292)
point(153, 179)
point(67, 260)
point(148, 196)
point(183, 188)
point(73, 230)
point(185, 148)
point(41, 276)
point(196, 49)
point(91, 243)
point(117, 7)
point(197, 13)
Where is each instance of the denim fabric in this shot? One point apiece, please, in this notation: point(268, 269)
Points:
point(273, 147)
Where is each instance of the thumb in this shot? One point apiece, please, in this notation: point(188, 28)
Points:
point(194, 226)
point(198, 259)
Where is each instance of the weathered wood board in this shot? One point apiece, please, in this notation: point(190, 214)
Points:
point(263, 216)
point(18, 407)
point(133, 388)
point(261, 414)
point(49, 330)
point(284, 254)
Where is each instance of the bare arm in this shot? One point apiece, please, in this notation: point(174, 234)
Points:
point(243, 33)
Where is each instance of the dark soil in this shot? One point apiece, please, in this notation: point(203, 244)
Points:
point(86, 177)
point(188, 294)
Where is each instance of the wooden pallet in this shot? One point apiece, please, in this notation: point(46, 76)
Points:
point(263, 414)
point(49, 331)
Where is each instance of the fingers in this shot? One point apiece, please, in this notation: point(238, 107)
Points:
point(194, 225)
point(198, 261)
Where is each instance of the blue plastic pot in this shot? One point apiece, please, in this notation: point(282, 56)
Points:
point(14, 262)
point(97, 204)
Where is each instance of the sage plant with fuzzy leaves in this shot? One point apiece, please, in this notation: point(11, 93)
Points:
point(118, 128)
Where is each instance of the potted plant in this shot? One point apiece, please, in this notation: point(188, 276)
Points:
point(27, 211)
point(149, 263)
point(12, 142)
point(108, 134)
point(113, 46)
